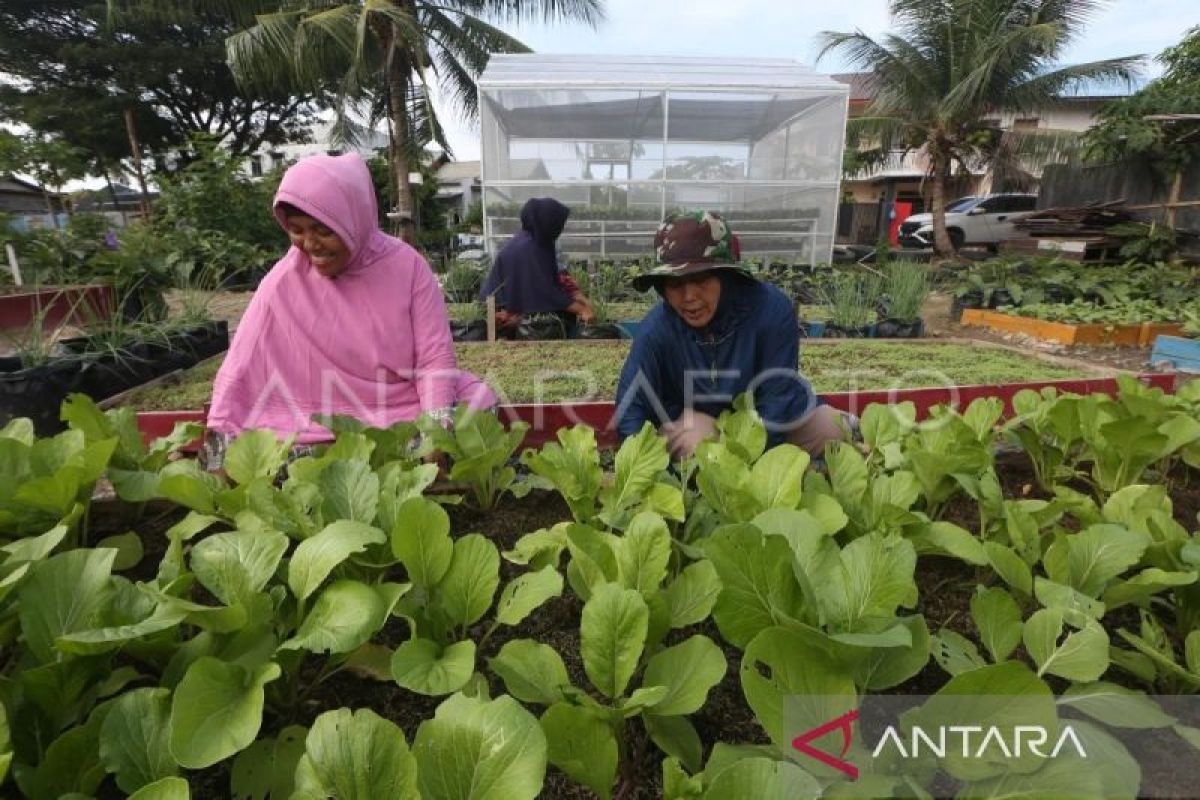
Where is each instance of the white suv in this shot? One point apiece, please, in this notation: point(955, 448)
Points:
point(985, 220)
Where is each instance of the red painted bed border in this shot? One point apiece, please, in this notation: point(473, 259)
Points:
point(85, 304)
point(545, 420)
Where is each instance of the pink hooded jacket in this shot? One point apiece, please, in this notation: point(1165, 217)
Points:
point(374, 343)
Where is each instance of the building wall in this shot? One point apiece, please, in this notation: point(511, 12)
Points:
point(1068, 115)
point(22, 203)
point(271, 157)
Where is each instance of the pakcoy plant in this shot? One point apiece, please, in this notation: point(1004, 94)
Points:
point(1120, 439)
point(626, 614)
point(479, 448)
point(358, 755)
point(454, 583)
point(49, 481)
point(639, 482)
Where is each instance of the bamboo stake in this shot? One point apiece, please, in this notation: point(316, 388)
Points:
point(1173, 200)
point(13, 266)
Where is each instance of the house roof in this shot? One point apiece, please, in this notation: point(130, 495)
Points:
point(12, 184)
point(518, 169)
point(455, 171)
point(859, 83)
point(102, 199)
point(861, 90)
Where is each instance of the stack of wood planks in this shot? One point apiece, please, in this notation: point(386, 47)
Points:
point(1079, 233)
point(1077, 222)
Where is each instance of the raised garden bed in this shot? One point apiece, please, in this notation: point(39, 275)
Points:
point(54, 306)
point(38, 391)
point(524, 372)
point(202, 634)
point(1082, 334)
point(468, 322)
point(968, 370)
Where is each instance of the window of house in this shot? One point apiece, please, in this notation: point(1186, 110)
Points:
point(1025, 124)
point(276, 160)
point(256, 167)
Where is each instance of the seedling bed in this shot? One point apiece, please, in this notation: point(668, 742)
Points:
point(1082, 333)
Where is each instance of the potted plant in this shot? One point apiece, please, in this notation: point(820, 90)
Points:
point(539, 327)
point(462, 280)
point(812, 320)
point(35, 379)
point(601, 289)
point(907, 285)
point(468, 322)
point(193, 331)
point(851, 302)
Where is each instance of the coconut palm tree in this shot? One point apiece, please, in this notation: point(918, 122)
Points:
point(950, 64)
point(384, 56)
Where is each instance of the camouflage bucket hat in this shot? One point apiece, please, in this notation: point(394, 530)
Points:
point(692, 242)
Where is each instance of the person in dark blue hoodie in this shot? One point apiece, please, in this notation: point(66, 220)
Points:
point(525, 275)
point(718, 333)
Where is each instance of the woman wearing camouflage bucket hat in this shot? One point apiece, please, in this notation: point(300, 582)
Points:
point(718, 333)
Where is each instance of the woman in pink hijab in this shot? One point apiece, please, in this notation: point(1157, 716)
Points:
point(350, 321)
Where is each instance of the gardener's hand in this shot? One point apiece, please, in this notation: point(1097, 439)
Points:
point(443, 464)
point(586, 315)
point(685, 433)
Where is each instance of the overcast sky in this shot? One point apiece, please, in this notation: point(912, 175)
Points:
point(788, 28)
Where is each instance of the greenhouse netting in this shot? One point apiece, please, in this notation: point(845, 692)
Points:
point(623, 140)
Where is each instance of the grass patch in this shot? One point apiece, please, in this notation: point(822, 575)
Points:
point(619, 312)
point(557, 371)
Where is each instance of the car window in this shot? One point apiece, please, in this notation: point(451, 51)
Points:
point(962, 205)
point(1010, 204)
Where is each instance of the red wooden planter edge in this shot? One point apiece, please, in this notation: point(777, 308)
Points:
point(17, 310)
point(545, 419)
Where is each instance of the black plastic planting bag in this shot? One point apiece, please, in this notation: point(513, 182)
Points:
point(475, 331)
point(900, 329)
point(541, 329)
point(37, 393)
point(604, 330)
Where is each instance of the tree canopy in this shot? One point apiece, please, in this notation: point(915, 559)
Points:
point(73, 67)
point(1124, 131)
point(385, 54)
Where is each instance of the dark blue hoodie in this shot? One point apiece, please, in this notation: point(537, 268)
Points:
point(751, 343)
point(524, 276)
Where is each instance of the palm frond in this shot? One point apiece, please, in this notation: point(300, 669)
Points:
point(1015, 158)
point(589, 12)
point(1040, 88)
point(261, 55)
point(1005, 55)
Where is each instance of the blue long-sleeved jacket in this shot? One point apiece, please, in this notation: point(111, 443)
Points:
point(752, 343)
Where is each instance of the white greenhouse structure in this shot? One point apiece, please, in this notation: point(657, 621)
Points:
point(623, 140)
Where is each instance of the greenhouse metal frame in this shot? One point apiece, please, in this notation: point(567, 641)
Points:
point(623, 140)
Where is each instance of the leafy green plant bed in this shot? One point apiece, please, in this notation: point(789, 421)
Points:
point(1132, 312)
point(1029, 281)
point(341, 625)
point(524, 372)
